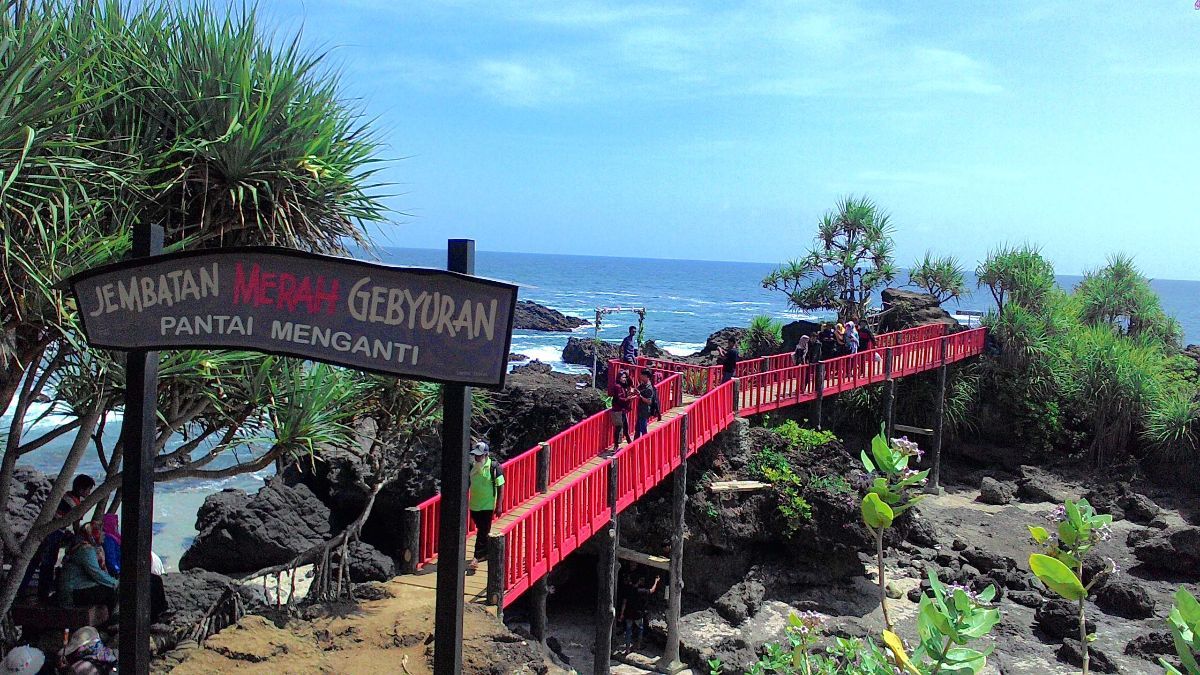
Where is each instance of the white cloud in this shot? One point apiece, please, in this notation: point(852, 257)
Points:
point(525, 84)
point(943, 70)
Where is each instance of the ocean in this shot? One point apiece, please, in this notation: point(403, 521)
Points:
point(685, 301)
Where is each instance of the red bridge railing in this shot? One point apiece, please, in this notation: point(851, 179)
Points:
point(537, 539)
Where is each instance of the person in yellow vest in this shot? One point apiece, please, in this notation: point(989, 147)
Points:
point(486, 484)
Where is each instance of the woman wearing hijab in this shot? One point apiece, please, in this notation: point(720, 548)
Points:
point(800, 356)
point(851, 338)
point(839, 337)
point(112, 544)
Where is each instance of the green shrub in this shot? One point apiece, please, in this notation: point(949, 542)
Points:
point(837, 485)
point(801, 438)
point(768, 459)
point(789, 487)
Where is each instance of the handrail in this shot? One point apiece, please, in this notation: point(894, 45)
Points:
point(649, 459)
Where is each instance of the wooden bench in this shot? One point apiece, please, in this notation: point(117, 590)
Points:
point(41, 616)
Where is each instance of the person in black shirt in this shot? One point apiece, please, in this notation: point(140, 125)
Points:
point(815, 349)
point(635, 587)
point(729, 359)
point(46, 558)
point(647, 404)
point(828, 340)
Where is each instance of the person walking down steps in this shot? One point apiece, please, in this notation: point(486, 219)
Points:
point(486, 484)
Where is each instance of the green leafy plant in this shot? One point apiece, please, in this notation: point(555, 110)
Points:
point(947, 620)
point(789, 488)
point(837, 485)
point(801, 438)
point(890, 494)
point(763, 338)
point(715, 667)
point(1077, 529)
point(695, 382)
point(765, 459)
point(1184, 621)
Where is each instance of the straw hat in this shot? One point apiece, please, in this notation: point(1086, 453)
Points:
point(80, 639)
point(23, 660)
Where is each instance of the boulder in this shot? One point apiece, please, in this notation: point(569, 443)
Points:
point(532, 316)
point(1175, 549)
point(1030, 599)
point(536, 404)
point(1059, 619)
point(651, 350)
point(517, 357)
point(1098, 661)
point(190, 594)
point(1151, 645)
point(992, 491)
point(720, 340)
point(240, 533)
point(1139, 508)
point(987, 561)
point(906, 309)
point(534, 367)
point(792, 332)
point(741, 601)
point(1035, 485)
point(1125, 598)
point(367, 563)
point(579, 351)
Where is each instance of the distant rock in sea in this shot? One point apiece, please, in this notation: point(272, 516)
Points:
point(532, 316)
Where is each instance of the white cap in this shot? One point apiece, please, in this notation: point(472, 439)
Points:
point(23, 660)
point(480, 449)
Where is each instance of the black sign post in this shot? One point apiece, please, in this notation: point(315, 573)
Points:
point(452, 535)
point(434, 325)
point(138, 429)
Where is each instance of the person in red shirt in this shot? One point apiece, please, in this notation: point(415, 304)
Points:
point(623, 395)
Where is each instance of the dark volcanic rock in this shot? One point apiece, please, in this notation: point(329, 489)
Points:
point(517, 357)
point(651, 350)
point(792, 332)
point(532, 316)
point(1151, 645)
point(367, 563)
point(741, 601)
point(241, 534)
point(579, 351)
point(992, 491)
point(190, 594)
point(908, 308)
point(1176, 549)
point(1125, 598)
point(987, 561)
point(533, 368)
point(1140, 508)
point(720, 339)
point(1030, 599)
point(1098, 661)
point(1059, 619)
point(29, 489)
point(536, 405)
point(1036, 485)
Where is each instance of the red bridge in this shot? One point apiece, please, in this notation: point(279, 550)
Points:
point(560, 493)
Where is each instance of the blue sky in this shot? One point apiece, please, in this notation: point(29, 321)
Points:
point(724, 130)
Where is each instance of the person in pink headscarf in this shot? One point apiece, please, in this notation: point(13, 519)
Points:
point(112, 544)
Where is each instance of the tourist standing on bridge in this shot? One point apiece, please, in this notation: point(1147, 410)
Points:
point(800, 356)
point(486, 485)
point(629, 346)
point(622, 394)
point(729, 360)
point(851, 338)
point(647, 405)
point(828, 342)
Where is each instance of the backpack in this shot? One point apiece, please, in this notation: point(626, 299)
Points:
point(655, 407)
point(497, 472)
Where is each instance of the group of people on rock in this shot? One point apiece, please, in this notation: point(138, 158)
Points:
point(832, 341)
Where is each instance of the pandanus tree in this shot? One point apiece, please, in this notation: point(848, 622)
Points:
point(190, 117)
point(852, 257)
point(940, 276)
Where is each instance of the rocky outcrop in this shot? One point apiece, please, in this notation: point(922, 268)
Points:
point(992, 491)
point(1060, 619)
point(651, 350)
point(720, 339)
point(1175, 549)
point(1098, 661)
point(535, 405)
point(532, 316)
point(512, 357)
point(240, 533)
point(190, 594)
point(1125, 598)
point(793, 331)
point(906, 309)
point(579, 351)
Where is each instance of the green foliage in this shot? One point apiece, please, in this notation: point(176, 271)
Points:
point(801, 438)
point(1017, 274)
point(766, 460)
point(1057, 577)
point(790, 488)
point(1119, 296)
point(947, 621)
point(943, 277)
point(1184, 622)
point(895, 481)
point(715, 667)
point(852, 258)
point(763, 338)
point(836, 485)
point(876, 514)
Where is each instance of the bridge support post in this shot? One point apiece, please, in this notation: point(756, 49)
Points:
point(543, 467)
point(737, 395)
point(410, 551)
point(939, 421)
point(820, 392)
point(670, 663)
point(495, 578)
point(537, 619)
point(889, 394)
point(606, 573)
